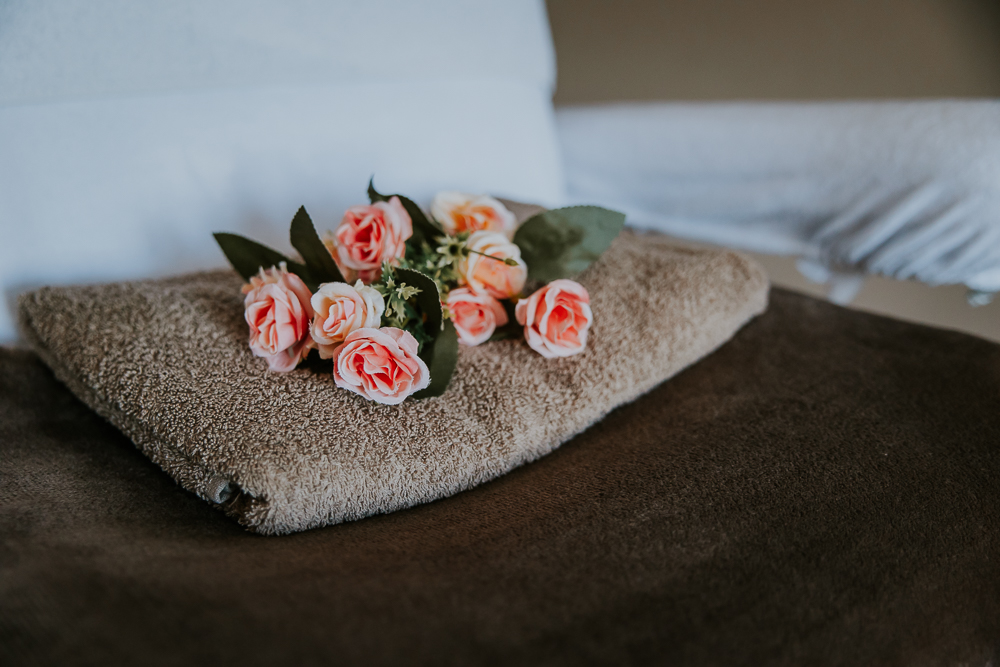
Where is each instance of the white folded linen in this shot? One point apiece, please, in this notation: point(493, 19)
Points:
point(902, 189)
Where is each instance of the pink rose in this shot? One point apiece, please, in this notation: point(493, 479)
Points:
point(380, 364)
point(369, 235)
point(278, 312)
point(492, 276)
point(476, 316)
point(458, 212)
point(340, 309)
point(556, 318)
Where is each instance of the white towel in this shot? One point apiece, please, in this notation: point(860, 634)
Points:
point(901, 189)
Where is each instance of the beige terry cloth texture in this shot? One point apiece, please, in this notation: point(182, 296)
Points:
point(167, 362)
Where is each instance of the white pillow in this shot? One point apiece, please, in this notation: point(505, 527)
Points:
point(64, 49)
point(116, 163)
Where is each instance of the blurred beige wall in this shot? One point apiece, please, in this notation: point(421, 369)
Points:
point(775, 49)
point(617, 50)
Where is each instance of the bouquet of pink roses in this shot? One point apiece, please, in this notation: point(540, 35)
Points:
point(390, 294)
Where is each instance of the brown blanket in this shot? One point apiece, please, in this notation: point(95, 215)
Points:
point(822, 490)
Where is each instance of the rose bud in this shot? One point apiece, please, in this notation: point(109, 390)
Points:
point(493, 266)
point(556, 318)
point(340, 309)
point(278, 310)
point(475, 316)
point(367, 236)
point(458, 212)
point(380, 364)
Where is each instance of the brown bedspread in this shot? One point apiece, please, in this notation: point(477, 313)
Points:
point(821, 490)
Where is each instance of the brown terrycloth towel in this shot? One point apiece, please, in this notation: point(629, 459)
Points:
point(167, 362)
point(822, 490)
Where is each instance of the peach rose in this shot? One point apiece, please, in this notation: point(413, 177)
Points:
point(556, 318)
point(380, 364)
point(278, 310)
point(458, 212)
point(475, 316)
point(340, 309)
point(369, 235)
point(491, 276)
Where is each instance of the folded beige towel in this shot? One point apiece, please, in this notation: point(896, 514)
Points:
point(167, 362)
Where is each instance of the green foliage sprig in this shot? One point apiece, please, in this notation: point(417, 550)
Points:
point(400, 305)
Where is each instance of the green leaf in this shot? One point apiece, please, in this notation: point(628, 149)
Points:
point(373, 194)
point(319, 262)
point(562, 242)
point(424, 229)
point(428, 301)
point(441, 355)
point(248, 257)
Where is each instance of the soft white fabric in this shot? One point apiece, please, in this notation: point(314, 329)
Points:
point(129, 132)
point(77, 49)
point(908, 189)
